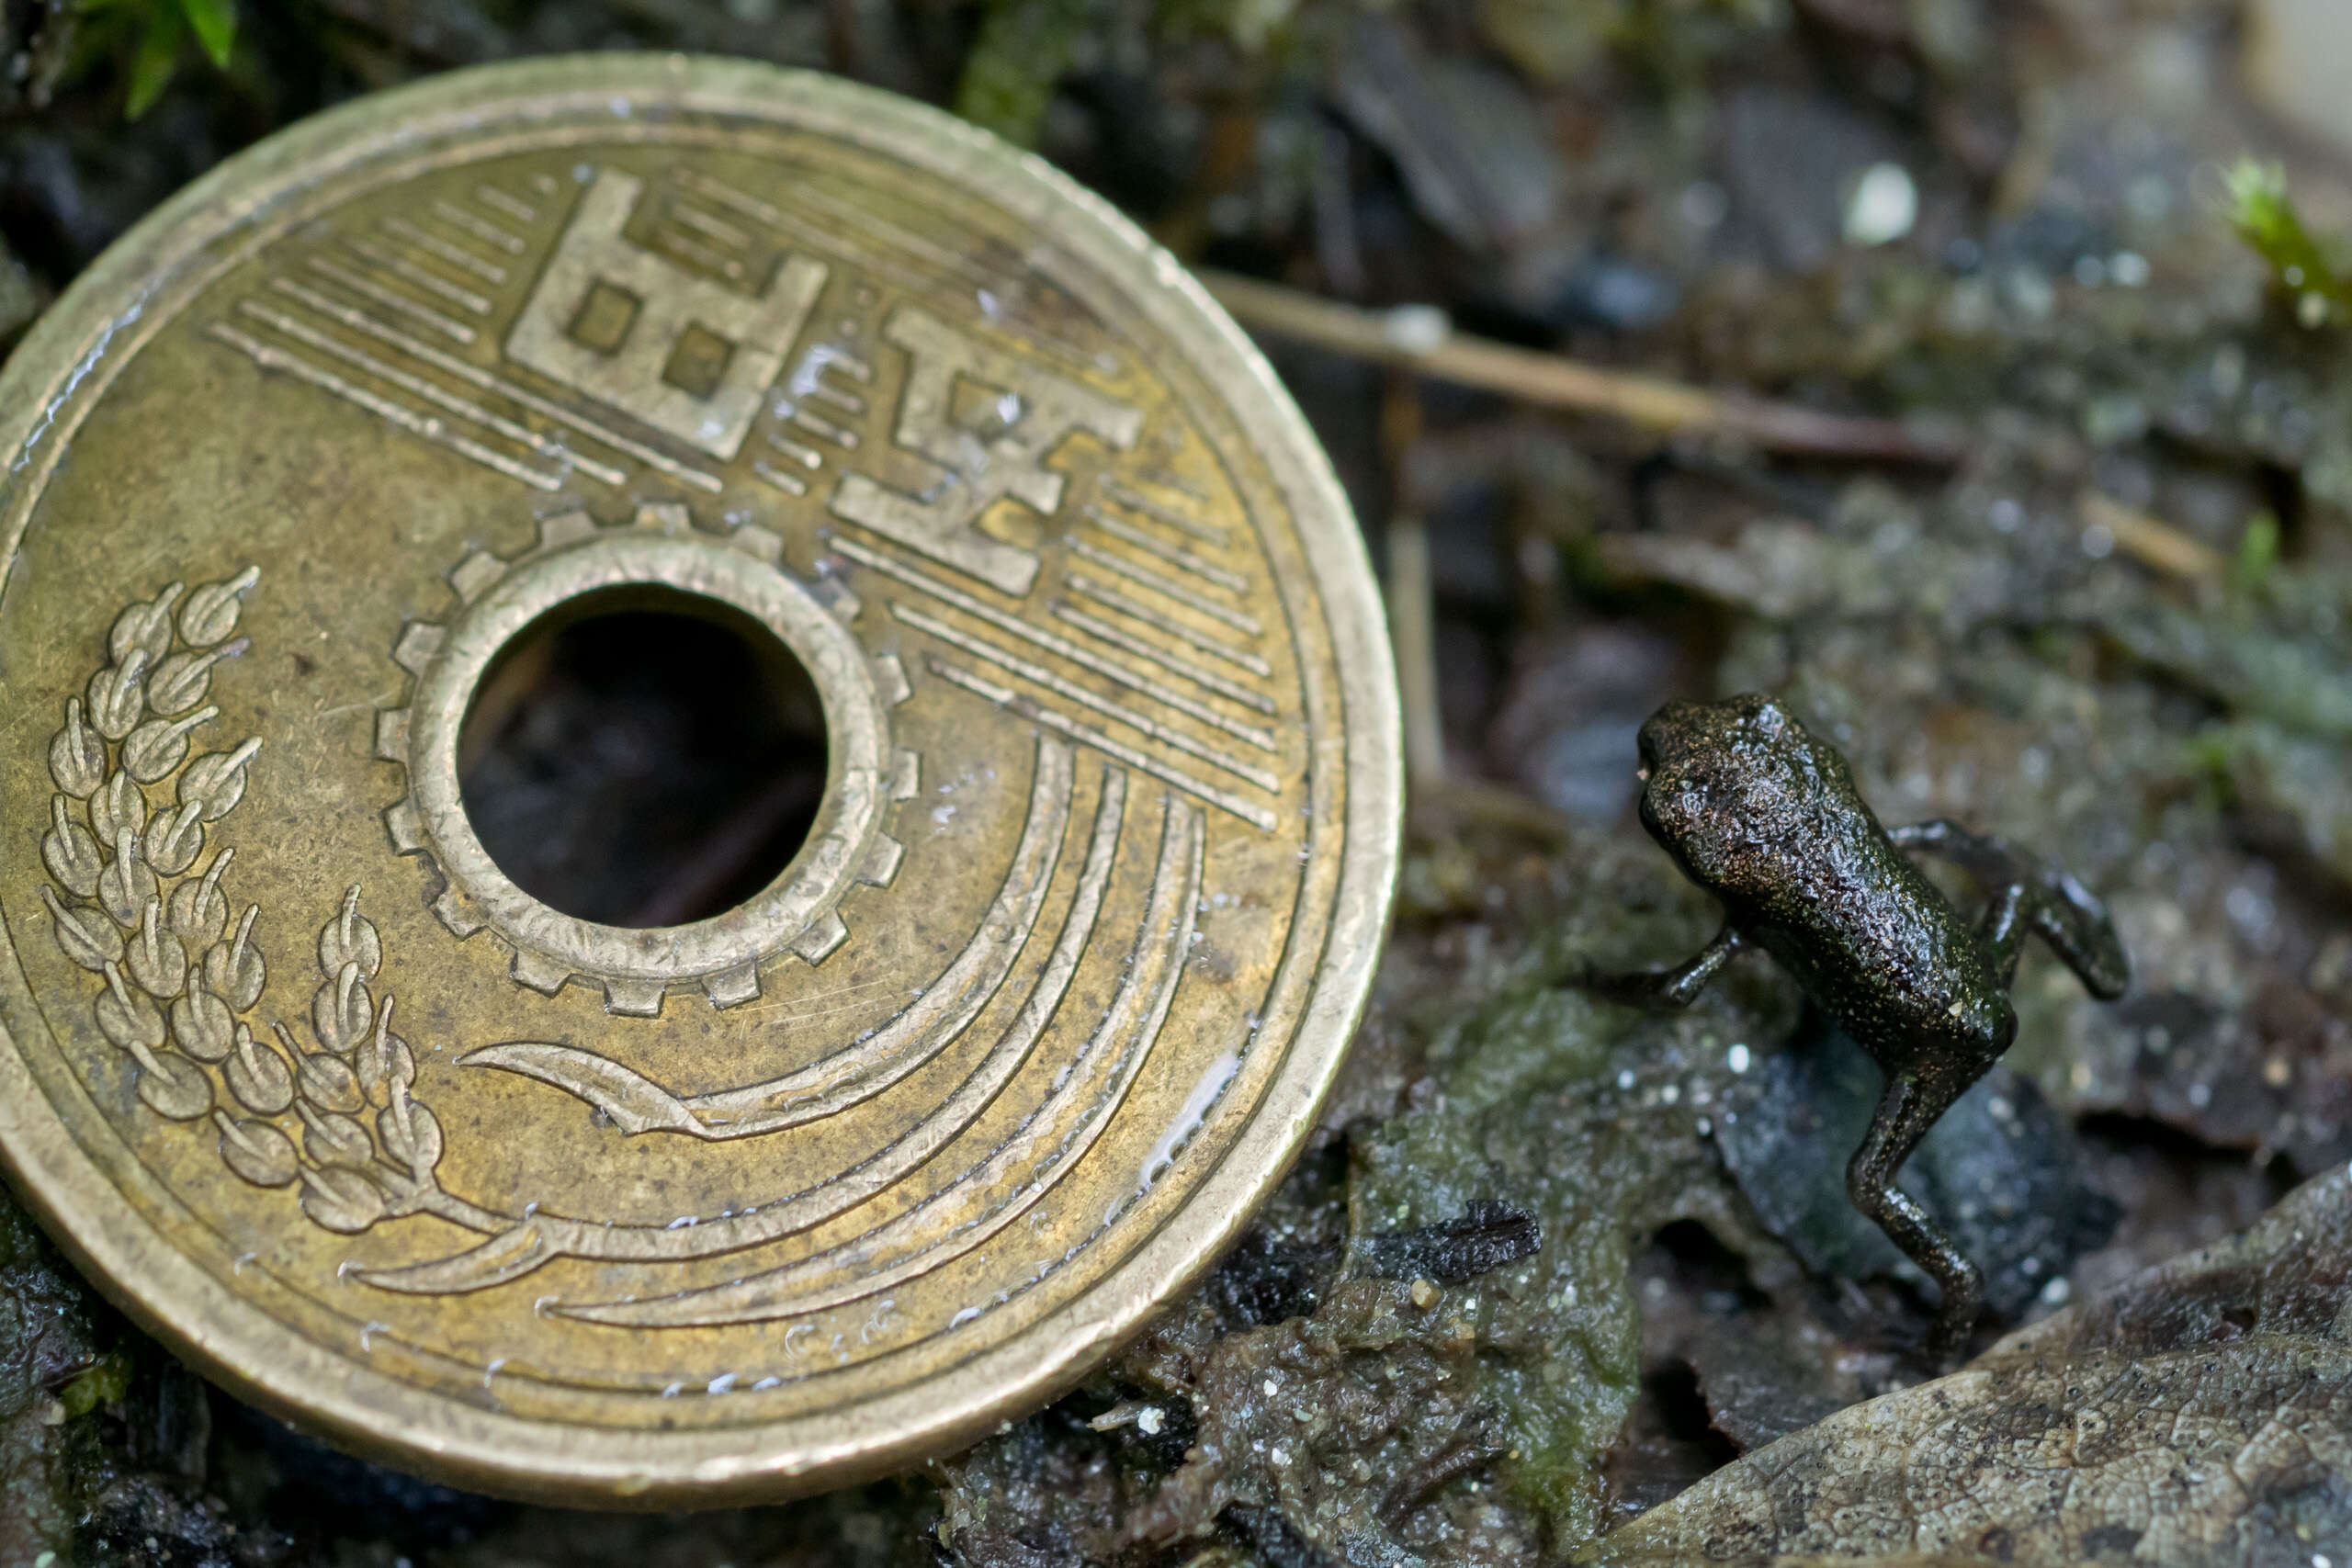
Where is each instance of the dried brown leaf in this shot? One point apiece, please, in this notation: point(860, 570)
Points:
point(2200, 1414)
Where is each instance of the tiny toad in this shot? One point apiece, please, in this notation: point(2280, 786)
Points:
point(1764, 814)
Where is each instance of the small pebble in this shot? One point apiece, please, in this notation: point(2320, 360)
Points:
point(1425, 1295)
point(1884, 206)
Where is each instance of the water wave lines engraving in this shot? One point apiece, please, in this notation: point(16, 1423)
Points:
point(1011, 1178)
point(517, 1246)
point(857, 1072)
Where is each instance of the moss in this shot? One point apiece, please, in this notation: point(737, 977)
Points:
point(1596, 1120)
point(2257, 552)
point(2263, 216)
point(105, 1383)
point(1023, 50)
point(1590, 1116)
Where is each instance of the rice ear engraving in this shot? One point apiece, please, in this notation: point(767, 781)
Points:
point(133, 900)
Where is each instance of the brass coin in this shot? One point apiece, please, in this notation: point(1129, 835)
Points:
point(911, 1138)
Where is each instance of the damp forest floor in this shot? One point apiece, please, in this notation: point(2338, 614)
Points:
point(1558, 1280)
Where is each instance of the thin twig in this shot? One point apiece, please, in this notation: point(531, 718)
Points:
point(2151, 541)
point(1412, 625)
point(1421, 340)
point(1412, 609)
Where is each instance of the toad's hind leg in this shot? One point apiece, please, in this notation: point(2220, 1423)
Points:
point(2076, 924)
point(1912, 1103)
point(2061, 910)
point(2002, 930)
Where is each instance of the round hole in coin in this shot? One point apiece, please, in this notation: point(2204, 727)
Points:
point(641, 756)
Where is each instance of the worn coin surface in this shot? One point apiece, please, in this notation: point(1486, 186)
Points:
point(898, 1145)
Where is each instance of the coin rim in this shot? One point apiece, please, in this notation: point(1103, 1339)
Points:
point(260, 1358)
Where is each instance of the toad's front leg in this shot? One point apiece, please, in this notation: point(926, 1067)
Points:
point(1675, 987)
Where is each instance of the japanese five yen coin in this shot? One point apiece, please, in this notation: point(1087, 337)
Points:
point(914, 1136)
